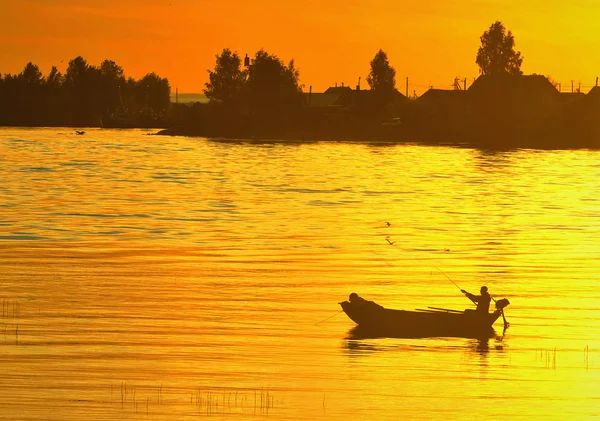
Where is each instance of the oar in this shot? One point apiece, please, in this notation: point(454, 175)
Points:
point(331, 317)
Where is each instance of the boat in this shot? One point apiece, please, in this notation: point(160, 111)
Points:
point(432, 321)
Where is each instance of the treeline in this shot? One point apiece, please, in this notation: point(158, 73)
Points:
point(262, 96)
point(85, 95)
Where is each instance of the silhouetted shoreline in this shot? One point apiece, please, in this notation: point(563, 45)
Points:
point(500, 112)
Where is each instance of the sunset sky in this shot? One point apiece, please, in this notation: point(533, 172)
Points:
point(332, 41)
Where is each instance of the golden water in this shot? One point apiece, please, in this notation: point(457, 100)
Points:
point(172, 278)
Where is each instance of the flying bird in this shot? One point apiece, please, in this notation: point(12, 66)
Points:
point(388, 240)
point(388, 224)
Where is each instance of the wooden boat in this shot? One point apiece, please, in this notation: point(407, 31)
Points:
point(432, 321)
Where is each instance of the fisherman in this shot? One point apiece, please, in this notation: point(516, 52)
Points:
point(483, 300)
point(359, 301)
point(356, 299)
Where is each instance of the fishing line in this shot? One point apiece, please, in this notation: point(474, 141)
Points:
point(331, 317)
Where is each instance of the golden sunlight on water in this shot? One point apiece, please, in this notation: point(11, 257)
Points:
point(167, 278)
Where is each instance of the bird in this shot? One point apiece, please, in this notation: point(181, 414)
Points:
point(446, 250)
point(388, 240)
point(388, 224)
point(80, 132)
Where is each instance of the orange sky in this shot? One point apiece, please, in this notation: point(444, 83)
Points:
point(431, 42)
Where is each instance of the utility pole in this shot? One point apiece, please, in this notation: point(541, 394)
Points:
point(596, 80)
point(407, 86)
point(176, 95)
point(465, 84)
point(572, 90)
point(309, 95)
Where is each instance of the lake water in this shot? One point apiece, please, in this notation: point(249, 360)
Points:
point(169, 278)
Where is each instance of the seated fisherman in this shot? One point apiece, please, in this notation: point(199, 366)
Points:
point(483, 300)
point(359, 301)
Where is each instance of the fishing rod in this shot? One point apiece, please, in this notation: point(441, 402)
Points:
point(331, 317)
point(461, 290)
point(473, 301)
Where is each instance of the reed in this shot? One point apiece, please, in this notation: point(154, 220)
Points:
point(10, 309)
point(548, 356)
point(208, 401)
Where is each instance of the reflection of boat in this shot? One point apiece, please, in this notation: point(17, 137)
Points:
point(361, 332)
point(377, 320)
point(362, 340)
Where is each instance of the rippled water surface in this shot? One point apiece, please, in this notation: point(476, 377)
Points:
point(168, 278)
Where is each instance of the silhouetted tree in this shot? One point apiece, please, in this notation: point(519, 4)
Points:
point(382, 76)
point(154, 93)
point(55, 78)
point(227, 80)
point(55, 99)
point(84, 87)
point(497, 52)
point(83, 96)
point(31, 74)
point(28, 102)
point(112, 79)
point(272, 90)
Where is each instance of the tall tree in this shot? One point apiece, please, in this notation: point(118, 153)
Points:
point(28, 102)
point(55, 78)
point(272, 85)
point(382, 77)
point(113, 78)
point(31, 74)
point(55, 100)
point(83, 84)
point(154, 93)
point(227, 80)
point(497, 53)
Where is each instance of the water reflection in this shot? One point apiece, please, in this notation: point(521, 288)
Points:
point(360, 341)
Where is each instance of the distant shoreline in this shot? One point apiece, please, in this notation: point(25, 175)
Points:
point(397, 138)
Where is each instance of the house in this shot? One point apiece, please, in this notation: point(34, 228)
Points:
point(334, 97)
point(505, 87)
point(518, 101)
point(444, 99)
point(346, 97)
point(592, 98)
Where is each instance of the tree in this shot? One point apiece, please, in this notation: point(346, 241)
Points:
point(497, 53)
point(272, 86)
point(55, 78)
point(154, 93)
point(113, 78)
point(227, 80)
point(29, 100)
point(31, 74)
point(83, 84)
point(382, 77)
point(55, 100)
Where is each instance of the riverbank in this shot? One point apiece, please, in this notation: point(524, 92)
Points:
point(501, 139)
